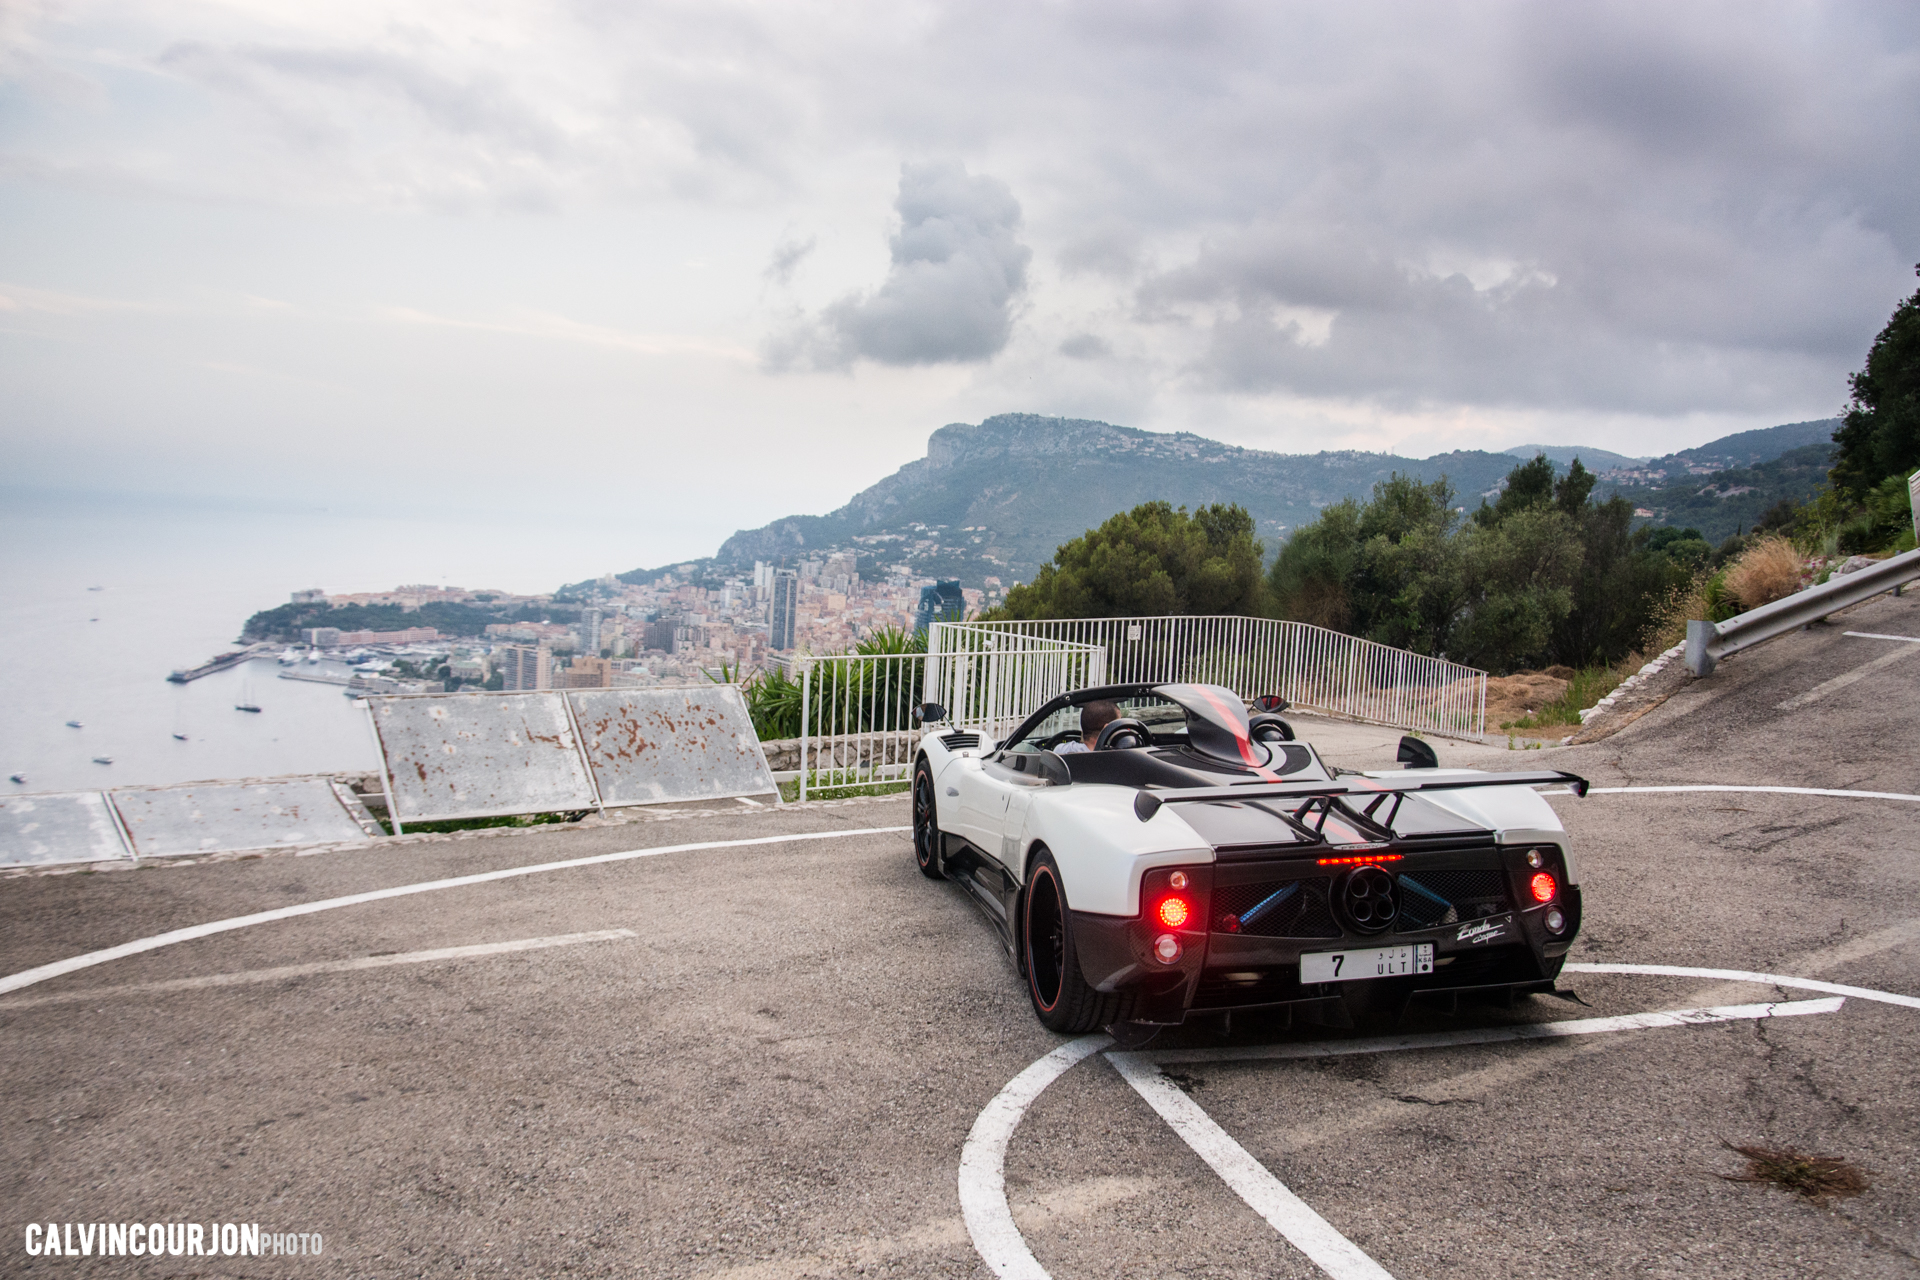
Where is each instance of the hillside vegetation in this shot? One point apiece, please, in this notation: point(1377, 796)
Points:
point(284, 624)
point(1543, 575)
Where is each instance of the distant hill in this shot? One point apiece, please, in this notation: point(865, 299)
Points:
point(1746, 448)
point(1731, 500)
point(1562, 456)
point(996, 499)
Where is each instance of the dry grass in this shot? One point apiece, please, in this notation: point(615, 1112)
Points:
point(1769, 570)
point(1545, 703)
point(1516, 697)
point(1818, 1178)
point(1670, 616)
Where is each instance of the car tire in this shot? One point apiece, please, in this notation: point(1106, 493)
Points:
point(1062, 998)
point(926, 823)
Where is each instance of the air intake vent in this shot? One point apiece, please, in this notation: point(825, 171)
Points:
point(957, 741)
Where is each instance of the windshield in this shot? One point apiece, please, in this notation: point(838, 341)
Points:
point(1163, 718)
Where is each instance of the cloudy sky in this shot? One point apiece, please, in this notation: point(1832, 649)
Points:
point(700, 264)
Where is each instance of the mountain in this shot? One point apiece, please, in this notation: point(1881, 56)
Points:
point(1562, 456)
point(1746, 448)
point(996, 499)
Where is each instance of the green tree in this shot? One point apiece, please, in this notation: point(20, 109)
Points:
point(1528, 485)
point(1544, 575)
point(1408, 587)
point(1880, 435)
point(1308, 582)
point(1519, 577)
point(1155, 559)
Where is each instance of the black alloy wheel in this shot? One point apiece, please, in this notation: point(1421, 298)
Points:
point(1061, 997)
point(926, 823)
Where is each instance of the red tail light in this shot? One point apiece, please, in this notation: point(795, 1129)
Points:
point(1543, 887)
point(1174, 912)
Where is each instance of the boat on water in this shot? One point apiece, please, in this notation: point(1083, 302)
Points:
point(103, 759)
point(313, 655)
point(245, 706)
point(289, 656)
point(180, 737)
point(73, 724)
point(16, 777)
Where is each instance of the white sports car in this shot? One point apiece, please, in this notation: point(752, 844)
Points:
point(1195, 860)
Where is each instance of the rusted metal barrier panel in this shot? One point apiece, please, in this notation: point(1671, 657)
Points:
point(656, 746)
point(172, 822)
point(46, 830)
point(466, 756)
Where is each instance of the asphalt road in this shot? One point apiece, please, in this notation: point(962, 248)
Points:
point(773, 1069)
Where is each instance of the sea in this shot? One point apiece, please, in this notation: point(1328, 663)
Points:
point(102, 596)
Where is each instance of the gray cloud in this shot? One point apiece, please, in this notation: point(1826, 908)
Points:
point(957, 271)
point(787, 257)
point(1439, 218)
point(1086, 346)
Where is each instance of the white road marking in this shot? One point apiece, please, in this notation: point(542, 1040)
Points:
point(27, 977)
point(835, 1256)
point(1493, 1035)
point(1741, 975)
point(983, 1195)
point(1874, 635)
point(983, 1182)
point(1785, 791)
point(1265, 1194)
point(1840, 682)
point(321, 966)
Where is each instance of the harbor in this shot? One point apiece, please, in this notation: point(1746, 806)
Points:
point(223, 662)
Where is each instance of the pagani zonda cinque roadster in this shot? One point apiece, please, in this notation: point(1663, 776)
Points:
point(1195, 860)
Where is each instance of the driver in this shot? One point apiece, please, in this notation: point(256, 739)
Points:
point(1094, 717)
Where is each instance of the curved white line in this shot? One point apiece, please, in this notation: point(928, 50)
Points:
point(983, 1183)
point(27, 977)
point(1742, 975)
point(983, 1190)
point(1787, 791)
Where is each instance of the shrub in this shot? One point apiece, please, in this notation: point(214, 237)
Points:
point(1768, 570)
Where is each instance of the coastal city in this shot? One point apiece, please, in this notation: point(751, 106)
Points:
point(677, 628)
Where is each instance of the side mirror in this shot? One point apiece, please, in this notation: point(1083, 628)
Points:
point(1271, 702)
point(929, 712)
point(1416, 754)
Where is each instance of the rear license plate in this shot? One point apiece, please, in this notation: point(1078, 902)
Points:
point(1372, 962)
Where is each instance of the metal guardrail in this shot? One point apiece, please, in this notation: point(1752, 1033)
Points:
point(1708, 642)
point(1311, 667)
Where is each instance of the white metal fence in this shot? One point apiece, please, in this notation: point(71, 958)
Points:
point(1311, 667)
point(990, 679)
point(856, 719)
point(857, 727)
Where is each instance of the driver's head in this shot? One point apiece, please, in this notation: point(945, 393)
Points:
point(1094, 717)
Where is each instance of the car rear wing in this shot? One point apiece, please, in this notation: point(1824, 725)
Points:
point(1147, 802)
